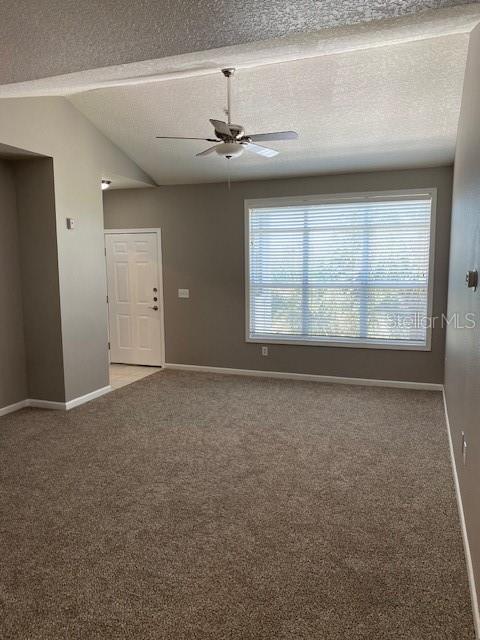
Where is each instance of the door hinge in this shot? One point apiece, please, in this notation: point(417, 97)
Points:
point(109, 346)
point(105, 249)
point(107, 299)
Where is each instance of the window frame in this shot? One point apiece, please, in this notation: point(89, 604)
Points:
point(356, 343)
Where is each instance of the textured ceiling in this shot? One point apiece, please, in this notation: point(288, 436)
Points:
point(41, 38)
point(384, 107)
point(429, 24)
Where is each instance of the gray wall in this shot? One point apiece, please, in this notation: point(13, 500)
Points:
point(462, 369)
point(40, 281)
point(203, 250)
point(13, 381)
point(81, 157)
point(31, 361)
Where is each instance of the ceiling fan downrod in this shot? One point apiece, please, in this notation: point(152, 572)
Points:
point(228, 73)
point(231, 139)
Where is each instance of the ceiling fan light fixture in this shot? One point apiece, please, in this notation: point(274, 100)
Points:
point(229, 149)
point(232, 137)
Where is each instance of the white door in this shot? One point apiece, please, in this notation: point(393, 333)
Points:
point(134, 300)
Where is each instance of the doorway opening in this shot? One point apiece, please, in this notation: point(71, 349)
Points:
point(134, 304)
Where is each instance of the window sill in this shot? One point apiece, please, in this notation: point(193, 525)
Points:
point(352, 344)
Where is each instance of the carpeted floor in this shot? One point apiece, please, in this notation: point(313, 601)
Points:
point(196, 506)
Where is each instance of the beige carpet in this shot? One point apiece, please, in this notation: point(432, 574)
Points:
point(195, 506)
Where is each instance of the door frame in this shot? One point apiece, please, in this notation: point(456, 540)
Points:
point(158, 232)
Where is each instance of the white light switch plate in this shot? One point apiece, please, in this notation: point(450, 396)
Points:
point(184, 293)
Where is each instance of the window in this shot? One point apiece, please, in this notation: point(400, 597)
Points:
point(346, 271)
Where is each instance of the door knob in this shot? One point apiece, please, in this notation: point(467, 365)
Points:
point(155, 308)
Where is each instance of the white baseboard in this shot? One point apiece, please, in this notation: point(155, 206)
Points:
point(56, 406)
point(76, 402)
point(66, 406)
point(399, 384)
point(45, 404)
point(466, 545)
point(13, 407)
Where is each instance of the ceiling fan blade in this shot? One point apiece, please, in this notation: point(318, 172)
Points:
point(182, 138)
point(221, 127)
point(207, 151)
point(275, 135)
point(261, 151)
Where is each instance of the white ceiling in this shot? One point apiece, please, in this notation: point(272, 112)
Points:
point(388, 106)
point(296, 46)
point(52, 37)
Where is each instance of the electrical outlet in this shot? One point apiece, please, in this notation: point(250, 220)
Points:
point(264, 351)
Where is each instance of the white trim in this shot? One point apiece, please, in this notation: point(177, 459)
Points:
point(431, 265)
point(136, 230)
point(70, 404)
point(76, 402)
point(386, 345)
point(54, 405)
point(466, 545)
point(368, 382)
point(10, 408)
point(331, 198)
point(46, 404)
point(334, 198)
point(158, 232)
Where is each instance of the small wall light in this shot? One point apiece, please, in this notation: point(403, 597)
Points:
point(106, 184)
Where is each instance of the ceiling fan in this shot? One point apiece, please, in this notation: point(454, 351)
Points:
point(232, 139)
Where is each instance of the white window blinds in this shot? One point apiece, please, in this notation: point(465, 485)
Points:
point(347, 271)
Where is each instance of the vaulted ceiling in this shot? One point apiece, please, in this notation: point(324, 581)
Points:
point(383, 107)
point(53, 37)
point(367, 84)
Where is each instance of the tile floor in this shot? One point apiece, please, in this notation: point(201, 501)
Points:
point(123, 374)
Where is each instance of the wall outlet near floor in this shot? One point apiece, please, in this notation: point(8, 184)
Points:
point(184, 293)
point(464, 448)
point(264, 351)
